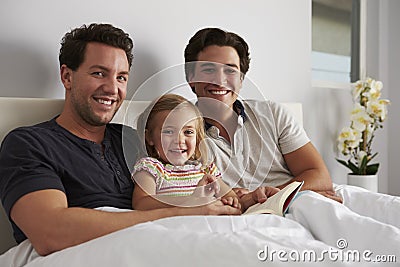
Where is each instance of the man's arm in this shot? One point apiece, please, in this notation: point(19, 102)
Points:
point(307, 165)
point(50, 225)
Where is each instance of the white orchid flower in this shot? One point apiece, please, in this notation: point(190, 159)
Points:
point(374, 91)
point(360, 118)
point(367, 115)
point(372, 94)
point(356, 138)
point(369, 81)
point(342, 147)
point(358, 87)
point(384, 103)
point(378, 86)
point(377, 108)
point(348, 140)
point(347, 134)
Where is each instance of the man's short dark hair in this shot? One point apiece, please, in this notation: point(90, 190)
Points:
point(215, 36)
point(73, 44)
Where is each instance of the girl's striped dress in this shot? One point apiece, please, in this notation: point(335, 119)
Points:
point(175, 180)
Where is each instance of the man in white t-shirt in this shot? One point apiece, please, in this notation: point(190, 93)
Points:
point(256, 144)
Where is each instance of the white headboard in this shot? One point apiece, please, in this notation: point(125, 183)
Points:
point(16, 112)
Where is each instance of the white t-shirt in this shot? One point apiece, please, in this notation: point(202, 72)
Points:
point(255, 155)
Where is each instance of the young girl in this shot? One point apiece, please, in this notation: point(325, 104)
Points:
point(176, 171)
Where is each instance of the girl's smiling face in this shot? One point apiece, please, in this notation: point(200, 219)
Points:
point(173, 135)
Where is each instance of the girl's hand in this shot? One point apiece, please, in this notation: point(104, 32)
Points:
point(208, 186)
point(231, 201)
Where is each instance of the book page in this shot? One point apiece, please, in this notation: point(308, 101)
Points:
point(276, 203)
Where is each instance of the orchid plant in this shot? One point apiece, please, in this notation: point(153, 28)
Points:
point(368, 114)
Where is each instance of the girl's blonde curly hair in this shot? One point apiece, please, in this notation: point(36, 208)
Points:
point(169, 102)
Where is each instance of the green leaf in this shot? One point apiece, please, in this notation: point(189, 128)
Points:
point(342, 162)
point(363, 165)
point(373, 156)
point(372, 169)
point(353, 167)
point(363, 162)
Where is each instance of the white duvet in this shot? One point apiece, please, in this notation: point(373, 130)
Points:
point(364, 231)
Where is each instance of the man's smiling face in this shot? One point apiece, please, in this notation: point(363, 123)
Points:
point(98, 87)
point(217, 74)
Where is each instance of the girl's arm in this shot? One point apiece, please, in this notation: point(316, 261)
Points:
point(144, 195)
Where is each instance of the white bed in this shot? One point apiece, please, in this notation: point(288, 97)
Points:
point(315, 226)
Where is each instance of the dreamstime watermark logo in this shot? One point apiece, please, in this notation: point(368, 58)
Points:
point(332, 254)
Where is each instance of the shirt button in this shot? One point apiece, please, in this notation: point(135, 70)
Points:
point(213, 132)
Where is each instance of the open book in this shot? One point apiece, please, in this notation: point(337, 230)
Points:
point(278, 203)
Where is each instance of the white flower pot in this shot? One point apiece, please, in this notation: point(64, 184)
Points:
point(369, 182)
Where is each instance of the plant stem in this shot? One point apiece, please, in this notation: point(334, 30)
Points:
point(364, 137)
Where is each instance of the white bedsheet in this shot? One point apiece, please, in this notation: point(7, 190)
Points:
point(315, 226)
